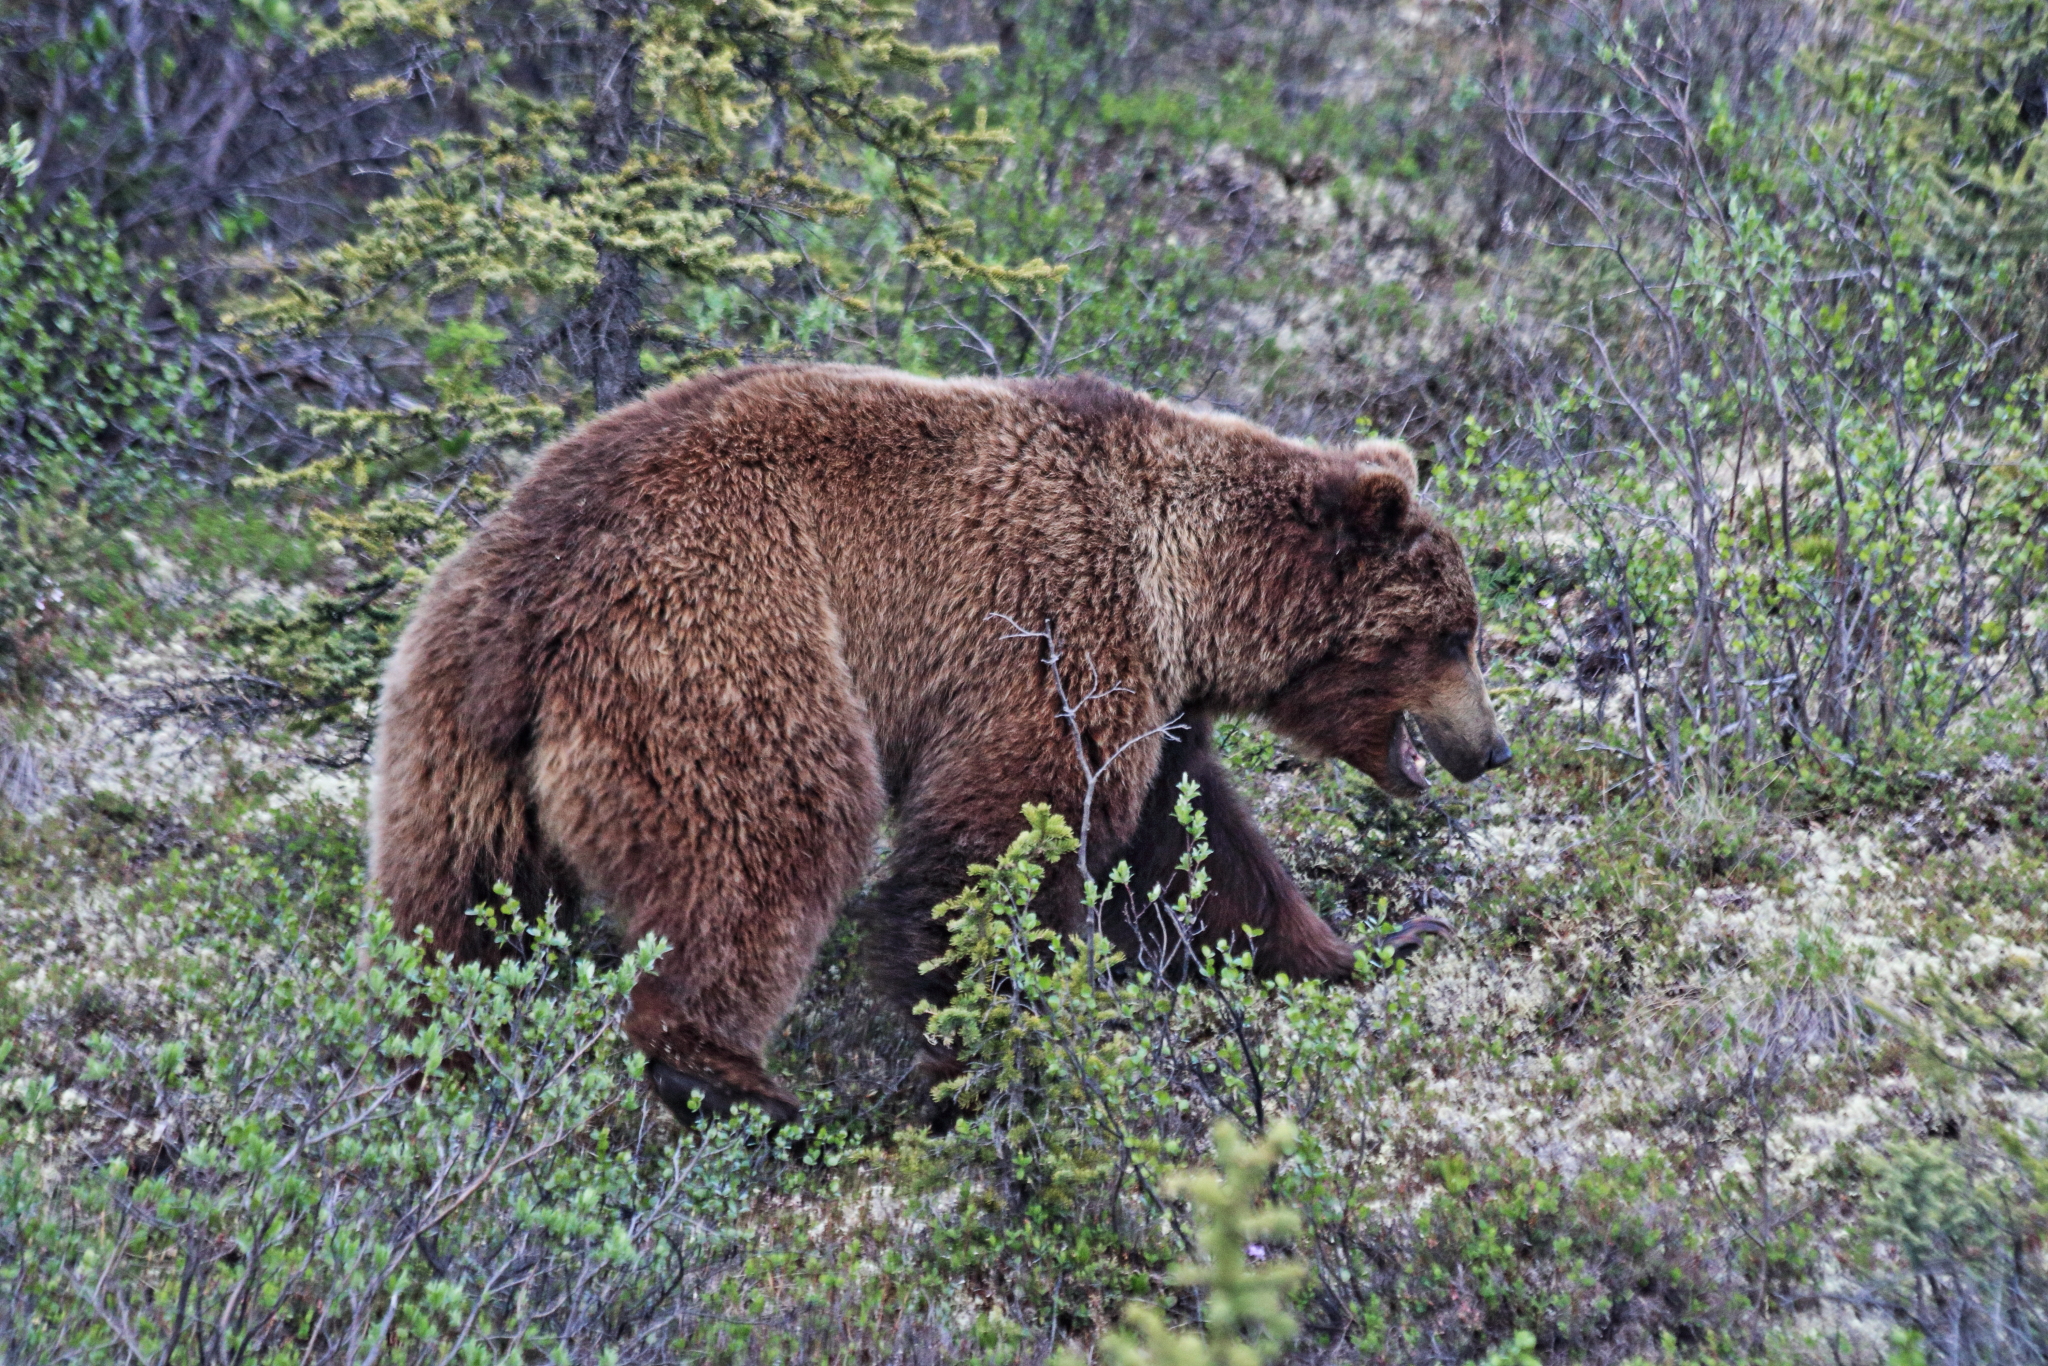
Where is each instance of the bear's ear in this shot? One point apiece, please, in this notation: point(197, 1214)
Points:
point(1391, 455)
point(1358, 504)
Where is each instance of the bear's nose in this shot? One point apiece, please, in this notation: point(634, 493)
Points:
point(1498, 755)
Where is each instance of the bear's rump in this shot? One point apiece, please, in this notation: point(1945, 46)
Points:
point(697, 742)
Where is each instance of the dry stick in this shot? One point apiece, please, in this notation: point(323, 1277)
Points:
point(1091, 773)
point(954, 322)
point(1517, 132)
point(1172, 916)
point(1047, 345)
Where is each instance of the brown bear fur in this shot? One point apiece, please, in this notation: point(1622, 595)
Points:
point(715, 633)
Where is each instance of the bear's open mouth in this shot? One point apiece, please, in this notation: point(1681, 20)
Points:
point(1402, 756)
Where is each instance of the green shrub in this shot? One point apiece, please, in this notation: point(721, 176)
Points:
point(1087, 1078)
point(1245, 1286)
point(1954, 1230)
point(96, 399)
point(301, 1174)
point(1802, 487)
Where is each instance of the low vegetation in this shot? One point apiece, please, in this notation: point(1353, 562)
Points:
point(1720, 329)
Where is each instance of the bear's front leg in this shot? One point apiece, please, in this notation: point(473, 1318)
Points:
point(966, 809)
point(1248, 887)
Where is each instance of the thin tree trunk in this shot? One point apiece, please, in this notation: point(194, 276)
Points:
point(605, 333)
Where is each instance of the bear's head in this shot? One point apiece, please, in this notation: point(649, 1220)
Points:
point(1389, 605)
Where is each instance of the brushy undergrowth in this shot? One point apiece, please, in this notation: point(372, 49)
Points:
point(1688, 1087)
point(1716, 325)
point(298, 1171)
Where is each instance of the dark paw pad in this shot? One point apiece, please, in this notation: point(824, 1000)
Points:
point(1408, 936)
point(673, 1088)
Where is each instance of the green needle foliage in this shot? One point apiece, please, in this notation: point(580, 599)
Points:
point(650, 210)
point(1969, 89)
point(679, 146)
point(1245, 1289)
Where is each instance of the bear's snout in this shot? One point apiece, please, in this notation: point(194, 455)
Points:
point(1459, 730)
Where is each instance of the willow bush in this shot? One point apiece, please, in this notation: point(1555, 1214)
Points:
point(1791, 466)
point(345, 1152)
point(97, 396)
point(1087, 1078)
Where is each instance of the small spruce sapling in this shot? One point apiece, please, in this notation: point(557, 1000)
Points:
point(1245, 1289)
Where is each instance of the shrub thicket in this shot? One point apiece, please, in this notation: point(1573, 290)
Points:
point(96, 400)
point(1788, 462)
point(1719, 325)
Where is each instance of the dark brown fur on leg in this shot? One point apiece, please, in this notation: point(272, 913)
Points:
point(1248, 887)
point(898, 926)
point(952, 818)
point(899, 933)
point(898, 929)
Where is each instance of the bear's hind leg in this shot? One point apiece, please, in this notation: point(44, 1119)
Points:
point(737, 853)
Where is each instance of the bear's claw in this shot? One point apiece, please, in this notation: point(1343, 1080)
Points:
point(673, 1088)
point(1408, 936)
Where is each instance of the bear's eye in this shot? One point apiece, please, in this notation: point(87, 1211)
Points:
point(1455, 644)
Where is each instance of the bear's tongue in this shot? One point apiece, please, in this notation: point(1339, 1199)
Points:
point(1401, 754)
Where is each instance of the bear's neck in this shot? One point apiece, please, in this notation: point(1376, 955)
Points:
point(1240, 601)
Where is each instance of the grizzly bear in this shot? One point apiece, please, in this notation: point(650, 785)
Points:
point(716, 633)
